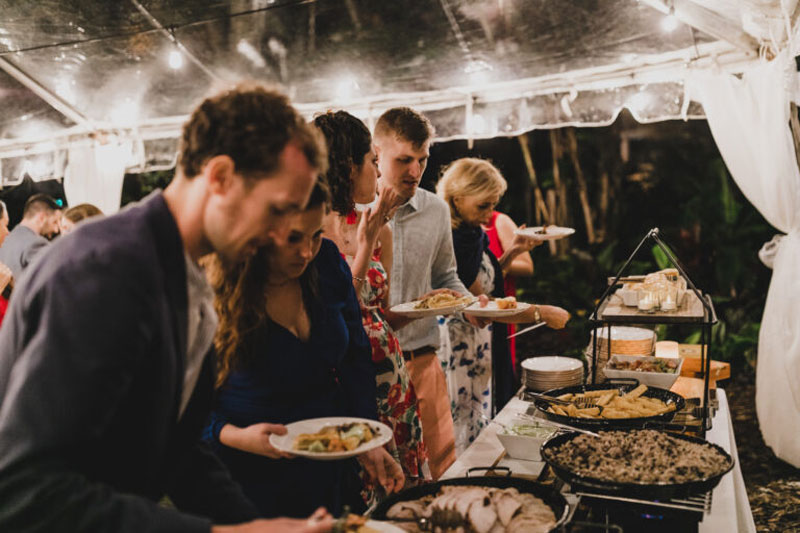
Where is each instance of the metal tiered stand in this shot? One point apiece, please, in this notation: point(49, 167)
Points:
point(699, 311)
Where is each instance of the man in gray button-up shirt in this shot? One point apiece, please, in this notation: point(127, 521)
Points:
point(40, 217)
point(423, 260)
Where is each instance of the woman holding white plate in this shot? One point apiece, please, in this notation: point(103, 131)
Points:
point(472, 188)
point(292, 347)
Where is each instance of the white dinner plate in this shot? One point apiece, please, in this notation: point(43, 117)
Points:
point(551, 233)
point(551, 363)
point(409, 309)
point(285, 443)
point(491, 310)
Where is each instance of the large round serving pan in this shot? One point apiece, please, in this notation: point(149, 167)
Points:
point(660, 491)
point(664, 395)
point(554, 499)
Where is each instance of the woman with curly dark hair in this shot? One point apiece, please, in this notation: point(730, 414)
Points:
point(291, 347)
point(366, 242)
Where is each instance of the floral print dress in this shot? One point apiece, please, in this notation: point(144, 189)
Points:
point(397, 400)
point(466, 356)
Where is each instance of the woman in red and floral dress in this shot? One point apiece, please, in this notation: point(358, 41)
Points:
point(365, 240)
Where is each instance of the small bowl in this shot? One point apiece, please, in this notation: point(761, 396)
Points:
point(662, 380)
point(525, 447)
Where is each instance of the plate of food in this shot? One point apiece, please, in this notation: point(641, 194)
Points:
point(545, 233)
point(331, 438)
point(442, 303)
point(497, 307)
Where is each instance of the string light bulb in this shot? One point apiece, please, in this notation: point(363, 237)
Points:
point(175, 59)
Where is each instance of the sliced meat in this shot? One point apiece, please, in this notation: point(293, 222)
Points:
point(482, 515)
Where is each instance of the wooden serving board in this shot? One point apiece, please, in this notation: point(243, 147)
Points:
point(691, 311)
point(690, 353)
point(690, 387)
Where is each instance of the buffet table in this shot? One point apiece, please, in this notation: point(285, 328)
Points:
point(730, 508)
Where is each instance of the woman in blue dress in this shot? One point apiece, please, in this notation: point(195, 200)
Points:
point(292, 346)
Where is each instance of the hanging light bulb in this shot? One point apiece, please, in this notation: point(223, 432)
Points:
point(175, 59)
point(669, 23)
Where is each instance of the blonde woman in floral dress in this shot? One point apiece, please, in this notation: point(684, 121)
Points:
point(365, 240)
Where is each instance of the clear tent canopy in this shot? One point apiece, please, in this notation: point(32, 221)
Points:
point(85, 72)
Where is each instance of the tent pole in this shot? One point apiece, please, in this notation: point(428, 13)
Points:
point(55, 101)
point(705, 20)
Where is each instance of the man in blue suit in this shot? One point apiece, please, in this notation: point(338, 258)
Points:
point(106, 370)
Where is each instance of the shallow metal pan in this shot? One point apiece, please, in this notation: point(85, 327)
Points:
point(554, 499)
point(595, 424)
point(659, 491)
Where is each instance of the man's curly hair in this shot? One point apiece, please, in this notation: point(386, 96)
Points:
point(348, 141)
point(251, 124)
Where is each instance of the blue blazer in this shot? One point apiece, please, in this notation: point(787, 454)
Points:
point(91, 369)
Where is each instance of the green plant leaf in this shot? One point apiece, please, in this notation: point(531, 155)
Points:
point(661, 258)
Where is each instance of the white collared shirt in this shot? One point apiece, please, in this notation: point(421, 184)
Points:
point(423, 259)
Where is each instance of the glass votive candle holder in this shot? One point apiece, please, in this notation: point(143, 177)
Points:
point(648, 300)
point(669, 299)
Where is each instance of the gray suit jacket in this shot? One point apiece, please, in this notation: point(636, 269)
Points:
point(20, 247)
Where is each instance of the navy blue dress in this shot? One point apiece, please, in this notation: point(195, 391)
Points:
point(288, 380)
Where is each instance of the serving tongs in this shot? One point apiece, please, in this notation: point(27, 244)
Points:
point(581, 403)
point(440, 519)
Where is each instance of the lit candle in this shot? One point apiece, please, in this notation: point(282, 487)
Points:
point(668, 304)
point(646, 302)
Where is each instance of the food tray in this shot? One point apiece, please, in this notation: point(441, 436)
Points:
point(611, 423)
point(663, 380)
point(638, 490)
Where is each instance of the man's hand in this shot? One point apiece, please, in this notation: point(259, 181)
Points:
point(319, 522)
point(383, 469)
point(254, 439)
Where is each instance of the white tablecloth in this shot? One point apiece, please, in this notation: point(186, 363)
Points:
point(730, 508)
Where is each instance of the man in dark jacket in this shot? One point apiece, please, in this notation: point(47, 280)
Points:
point(106, 376)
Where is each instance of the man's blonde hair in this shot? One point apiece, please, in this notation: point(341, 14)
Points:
point(469, 176)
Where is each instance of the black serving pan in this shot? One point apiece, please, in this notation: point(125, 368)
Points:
point(664, 395)
point(656, 491)
point(548, 495)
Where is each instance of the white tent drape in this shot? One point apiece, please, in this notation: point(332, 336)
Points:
point(749, 119)
point(94, 175)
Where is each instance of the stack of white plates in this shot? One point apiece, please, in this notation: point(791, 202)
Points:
point(550, 372)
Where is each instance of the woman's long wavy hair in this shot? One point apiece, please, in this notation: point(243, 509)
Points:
point(348, 141)
point(240, 298)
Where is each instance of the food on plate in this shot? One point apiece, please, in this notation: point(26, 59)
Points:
point(638, 456)
point(508, 302)
point(646, 364)
point(440, 300)
point(352, 523)
point(541, 231)
point(344, 437)
point(609, 403)
point(477, 509)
